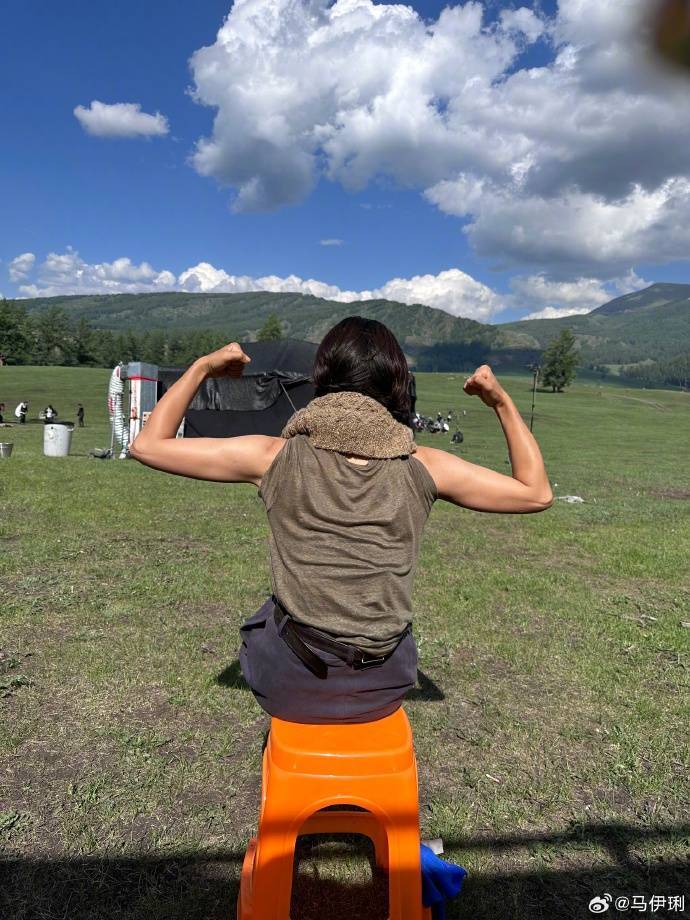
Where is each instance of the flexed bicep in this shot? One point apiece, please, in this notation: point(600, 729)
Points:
point(479, 488)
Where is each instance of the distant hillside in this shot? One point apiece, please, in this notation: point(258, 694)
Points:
point(653, 324)
point(657, 295)
point(649, 324)
point(432, 338)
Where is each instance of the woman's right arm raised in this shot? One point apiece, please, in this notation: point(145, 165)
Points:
point(528, 490)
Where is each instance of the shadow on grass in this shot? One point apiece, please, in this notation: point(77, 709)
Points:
point(192, 886)
point(232, 677)
point(426, 690)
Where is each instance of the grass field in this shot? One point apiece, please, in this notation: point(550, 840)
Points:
point(550, 721)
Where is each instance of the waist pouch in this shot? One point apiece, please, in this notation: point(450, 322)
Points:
point(304, 639)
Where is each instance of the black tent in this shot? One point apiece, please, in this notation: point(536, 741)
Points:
point(273, 386)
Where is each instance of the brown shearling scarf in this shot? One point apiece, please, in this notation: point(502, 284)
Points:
point(351, 423)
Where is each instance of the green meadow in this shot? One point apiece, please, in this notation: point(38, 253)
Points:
point(551, 713)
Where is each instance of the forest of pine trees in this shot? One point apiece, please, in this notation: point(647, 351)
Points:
point(672, 373)
point(52, 338)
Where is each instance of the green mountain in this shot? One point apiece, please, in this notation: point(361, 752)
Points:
point(242, 315)
point(650, 324)
point(653, 324)
point(432, 338)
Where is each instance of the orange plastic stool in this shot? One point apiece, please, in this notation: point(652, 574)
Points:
point(306, 768)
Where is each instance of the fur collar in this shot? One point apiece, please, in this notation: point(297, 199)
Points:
point(351, 423)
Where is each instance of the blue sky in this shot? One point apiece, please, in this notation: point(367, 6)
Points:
point(97, 199)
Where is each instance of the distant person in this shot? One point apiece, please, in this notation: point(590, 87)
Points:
point(2, 409)
point(21, 411)
point(49, 413)
point(80, 415)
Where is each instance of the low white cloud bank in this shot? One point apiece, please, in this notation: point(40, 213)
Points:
point(452, 290)
point(67, 273)
point(577, 168)
point(121, 119)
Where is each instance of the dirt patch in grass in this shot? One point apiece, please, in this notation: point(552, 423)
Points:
point(44, 780)
point(183, 738)
point(683, 494)
point(85, 766)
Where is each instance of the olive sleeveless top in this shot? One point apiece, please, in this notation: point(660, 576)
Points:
point(344, 539)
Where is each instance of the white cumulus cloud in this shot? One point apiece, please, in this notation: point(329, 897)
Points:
point(67, 273)
point(577, 230)
point(21, 266)
point(351, 89)
point(577, 168)
point(120, 119)
point(452, 290)
point(555, 298)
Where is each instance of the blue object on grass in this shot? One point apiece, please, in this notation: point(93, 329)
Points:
point(440, 880)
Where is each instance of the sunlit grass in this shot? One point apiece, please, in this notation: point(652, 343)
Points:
point(555, 643)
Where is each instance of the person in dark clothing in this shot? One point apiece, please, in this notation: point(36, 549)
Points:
point(2, 409)
point(80, 415)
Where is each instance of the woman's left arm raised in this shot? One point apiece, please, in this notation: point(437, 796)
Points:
point(241, 459)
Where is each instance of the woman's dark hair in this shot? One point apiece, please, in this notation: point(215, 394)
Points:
point(364, 356)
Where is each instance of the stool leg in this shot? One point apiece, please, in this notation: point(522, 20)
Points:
point(244, 897)
point(404, 872)
point(272, 876)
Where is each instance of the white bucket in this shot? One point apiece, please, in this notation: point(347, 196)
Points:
point(57, 438)
point(6, 449)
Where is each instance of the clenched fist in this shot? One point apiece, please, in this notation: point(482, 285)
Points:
point(483, 384)
point(228, 361)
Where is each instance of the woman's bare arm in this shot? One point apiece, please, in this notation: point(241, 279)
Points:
point(241, 459)
point(482, 489)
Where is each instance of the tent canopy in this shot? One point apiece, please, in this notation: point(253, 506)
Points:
point(273, 386)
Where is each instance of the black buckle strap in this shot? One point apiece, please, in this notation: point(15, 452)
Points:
point(292, 633)
point(286, 631)
point(360, 664)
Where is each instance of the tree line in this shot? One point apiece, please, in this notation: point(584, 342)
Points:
point(670, 373)
point(52, 338)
